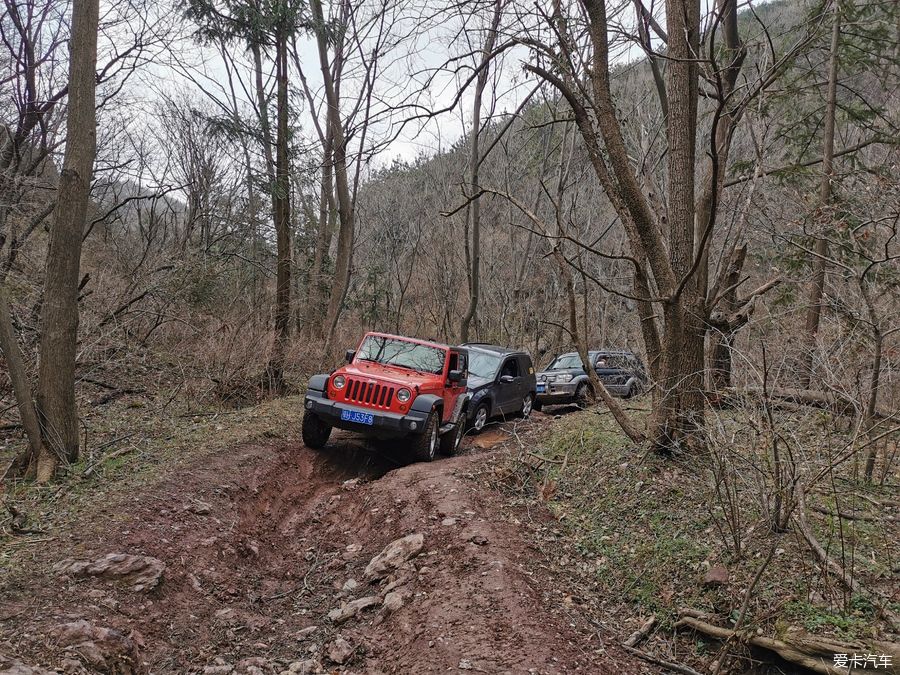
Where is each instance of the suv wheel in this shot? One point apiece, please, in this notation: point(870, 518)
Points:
point(450, 440)
point(424, 446)
point(315, 432)
point(527, 405)
point(480, 418)
point(583, 395)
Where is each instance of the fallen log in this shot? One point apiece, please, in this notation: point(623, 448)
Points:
point(799, 647)
point(832, 401)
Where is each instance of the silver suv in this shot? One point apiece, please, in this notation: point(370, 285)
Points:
point(565, 380)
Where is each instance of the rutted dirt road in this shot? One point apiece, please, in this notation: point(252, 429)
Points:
point(263, 542)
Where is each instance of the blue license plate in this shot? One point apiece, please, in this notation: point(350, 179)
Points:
point(358, 417)
point(541, 388)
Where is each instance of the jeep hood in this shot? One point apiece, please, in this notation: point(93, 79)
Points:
point(384, 373)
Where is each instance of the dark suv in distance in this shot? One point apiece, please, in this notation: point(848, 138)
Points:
point(565, 381)
point(501, 381)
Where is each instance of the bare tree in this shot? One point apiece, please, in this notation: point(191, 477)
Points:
point(473, 208)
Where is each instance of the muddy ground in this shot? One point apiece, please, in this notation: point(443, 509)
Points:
point(262, 541)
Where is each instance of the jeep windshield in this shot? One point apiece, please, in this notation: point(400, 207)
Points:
point(483, 364)
point(565, 362)
point(402, 354)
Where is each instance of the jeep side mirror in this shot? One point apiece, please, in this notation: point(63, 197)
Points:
point(507, 379)
point(350, 354)
point(456, 376)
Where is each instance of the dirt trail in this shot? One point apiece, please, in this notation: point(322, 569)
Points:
point(260, 544)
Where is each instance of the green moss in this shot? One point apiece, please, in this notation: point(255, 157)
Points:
point(853, 624)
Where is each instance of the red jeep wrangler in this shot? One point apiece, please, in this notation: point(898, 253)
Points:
point(393, 387)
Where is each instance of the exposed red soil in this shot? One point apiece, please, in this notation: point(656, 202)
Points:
point(286, 527)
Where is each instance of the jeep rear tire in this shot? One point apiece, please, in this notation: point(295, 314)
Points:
point(315, 432)
point(424, 446)
point(451, 439)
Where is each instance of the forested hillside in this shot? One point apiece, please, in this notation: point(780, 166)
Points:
point(205, 203)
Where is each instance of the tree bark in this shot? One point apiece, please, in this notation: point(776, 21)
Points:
point(327, 212)
point(473, 212)
point(817, 287)
point(59, 311)
point(282, 210)
point(344, 256)
point(36, 460)
point(681, 404)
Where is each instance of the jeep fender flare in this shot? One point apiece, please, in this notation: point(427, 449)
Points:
point(318, 383)
point(425, 403)
point(461, 409)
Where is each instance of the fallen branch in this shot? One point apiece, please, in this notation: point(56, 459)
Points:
point(836, 568)
point(118, 453)
point(641, 633)
point(847, 516)
point(810, 652)
point(670, 665)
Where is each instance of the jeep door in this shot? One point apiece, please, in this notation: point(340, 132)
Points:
point(453, 391)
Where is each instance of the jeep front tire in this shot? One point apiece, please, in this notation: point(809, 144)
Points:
point(315, 432)
point(424, 446)
point(451, 439)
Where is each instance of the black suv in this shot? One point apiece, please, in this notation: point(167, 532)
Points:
point(501, 381)
point(565, 381)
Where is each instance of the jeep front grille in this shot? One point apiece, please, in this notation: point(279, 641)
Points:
point(369, 393)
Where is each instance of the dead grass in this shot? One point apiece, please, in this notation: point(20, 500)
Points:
point(640, 531)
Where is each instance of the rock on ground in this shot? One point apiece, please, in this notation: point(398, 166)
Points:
point(141, 572)
point(103, 649)
point(340, 651)
point(393, 555)
point(12, 666)
point(716, 575)
point(350, 609)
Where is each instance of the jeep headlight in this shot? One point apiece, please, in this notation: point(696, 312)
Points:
point(564, 377)
point(542, 378)
point(339, 382)
point(403, 395)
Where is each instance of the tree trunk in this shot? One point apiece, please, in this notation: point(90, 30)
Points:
point(872, 404)
point(681, 374)
point(59, 311)
point(316, 287)
point(344, 256)
point(36, 460)
point(282, 209)
point(580, 338)
point(817, 287)
point(473, 212)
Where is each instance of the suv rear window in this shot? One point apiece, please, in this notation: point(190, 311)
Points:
point(401, 353)
point(612, 361)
